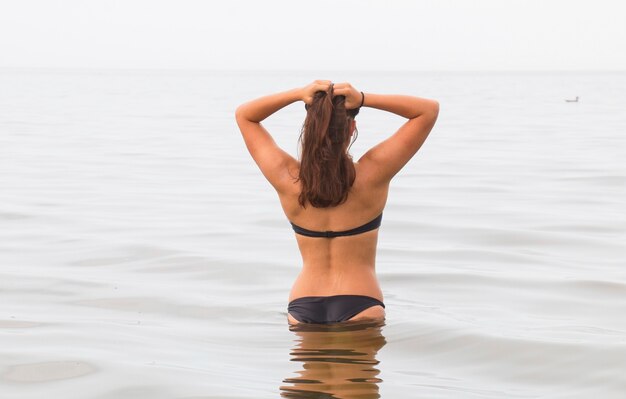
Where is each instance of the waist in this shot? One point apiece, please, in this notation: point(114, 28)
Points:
point(338, 267)
point(336, 281)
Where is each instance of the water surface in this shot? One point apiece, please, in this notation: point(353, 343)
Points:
point(142, 254)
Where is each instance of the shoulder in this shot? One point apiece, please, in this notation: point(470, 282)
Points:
point(368, 191)
point(286, 181)
point(367, 177)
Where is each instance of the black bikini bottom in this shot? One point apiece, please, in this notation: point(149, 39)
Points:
point(330, 309)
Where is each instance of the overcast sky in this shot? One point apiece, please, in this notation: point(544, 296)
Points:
point(313, 35)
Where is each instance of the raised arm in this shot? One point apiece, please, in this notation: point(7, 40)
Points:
point(384, 160)
point(271, 159)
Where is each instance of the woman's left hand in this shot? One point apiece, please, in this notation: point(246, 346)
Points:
point(309, 90)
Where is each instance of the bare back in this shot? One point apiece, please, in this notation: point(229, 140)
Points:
point(341, 265)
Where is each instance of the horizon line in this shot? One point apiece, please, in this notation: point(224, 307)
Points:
point(266, 70)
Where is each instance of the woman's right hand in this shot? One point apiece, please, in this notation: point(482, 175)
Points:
point(353, 96)
point(309, 90)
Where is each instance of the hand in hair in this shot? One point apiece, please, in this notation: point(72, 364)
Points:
point(353, 96)
point(309, 90)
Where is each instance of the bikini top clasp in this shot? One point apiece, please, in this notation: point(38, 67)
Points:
point(371, 225)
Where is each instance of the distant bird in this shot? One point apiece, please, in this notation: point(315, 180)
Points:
point(572, 101)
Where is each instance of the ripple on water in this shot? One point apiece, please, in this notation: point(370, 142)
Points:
point(47, 371)
point(18, 324)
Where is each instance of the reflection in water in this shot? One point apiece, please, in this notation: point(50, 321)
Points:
point(337, 361)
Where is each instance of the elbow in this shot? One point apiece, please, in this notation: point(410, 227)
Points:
point(426, 110)
point(239, 113)
point(242, 114)
point(432, 112)
point(435, 107)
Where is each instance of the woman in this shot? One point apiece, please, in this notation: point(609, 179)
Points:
point(334, 204)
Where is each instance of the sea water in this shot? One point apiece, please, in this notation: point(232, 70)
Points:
point(143, 255)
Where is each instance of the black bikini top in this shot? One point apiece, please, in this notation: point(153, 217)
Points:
point(374, 224)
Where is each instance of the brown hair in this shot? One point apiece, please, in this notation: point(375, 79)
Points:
point(326, 169)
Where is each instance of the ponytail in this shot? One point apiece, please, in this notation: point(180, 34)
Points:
point(326, 169)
